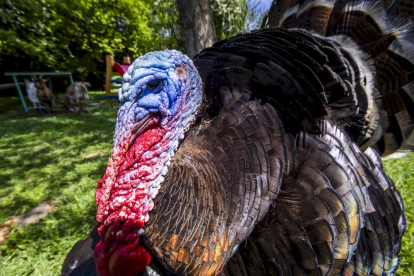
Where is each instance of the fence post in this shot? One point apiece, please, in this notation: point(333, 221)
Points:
point(20, 93)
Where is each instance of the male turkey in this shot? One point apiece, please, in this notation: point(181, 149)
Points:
point(262, 155)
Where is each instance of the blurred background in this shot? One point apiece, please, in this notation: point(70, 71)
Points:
point(75, 36)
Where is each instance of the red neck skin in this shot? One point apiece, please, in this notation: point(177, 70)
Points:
point(124, 199)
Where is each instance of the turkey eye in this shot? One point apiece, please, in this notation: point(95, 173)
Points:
point(154, 83)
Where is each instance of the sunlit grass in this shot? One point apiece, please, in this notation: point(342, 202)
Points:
point(42, 159)
point(402, 173)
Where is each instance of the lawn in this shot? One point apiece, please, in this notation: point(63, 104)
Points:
point(59, 159)
point(56, 159)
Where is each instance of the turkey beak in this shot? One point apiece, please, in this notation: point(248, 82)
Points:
point(139, 127)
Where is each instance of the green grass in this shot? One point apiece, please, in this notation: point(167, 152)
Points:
point(401, 172)
point(42, 159)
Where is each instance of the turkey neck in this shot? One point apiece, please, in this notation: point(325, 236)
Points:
point(125, 193)
point(160, 98)
point(135, 171)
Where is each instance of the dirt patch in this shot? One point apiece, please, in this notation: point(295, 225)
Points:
point(100, 153)
point(23, 220)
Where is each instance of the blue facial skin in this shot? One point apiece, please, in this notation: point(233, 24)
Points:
point(153, 101)
point(155, 85)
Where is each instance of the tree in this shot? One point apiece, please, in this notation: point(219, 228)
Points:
point(76, 35)
point(197, 25)
point(230, 17)
point(66, 35)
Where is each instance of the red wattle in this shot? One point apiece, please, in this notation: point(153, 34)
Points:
point(143, 143)
point(129, 260)
point(122, 208)
point(121, 259)
point(102, 257)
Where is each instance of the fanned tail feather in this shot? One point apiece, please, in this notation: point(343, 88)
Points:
point(401, 8)
point(277, 10)
point(374, 40)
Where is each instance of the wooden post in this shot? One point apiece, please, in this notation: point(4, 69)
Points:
point(109, 69)
point(110, 73)
point(127, 60)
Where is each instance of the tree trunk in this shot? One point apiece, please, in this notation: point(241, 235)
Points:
point(197, 25)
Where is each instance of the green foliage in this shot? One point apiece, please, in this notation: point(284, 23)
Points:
point(234, 16)
point(229, 17)
point(51, 159)
point(166, 22)
point(76, 35)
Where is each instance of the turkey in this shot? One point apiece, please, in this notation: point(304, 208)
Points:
point(262, 155)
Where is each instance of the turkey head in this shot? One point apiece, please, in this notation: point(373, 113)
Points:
point(159, 100)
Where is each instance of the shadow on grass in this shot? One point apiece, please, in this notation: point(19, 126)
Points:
point(51, 159)
point(40, 248)
point(41, 155)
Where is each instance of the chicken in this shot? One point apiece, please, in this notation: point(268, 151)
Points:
point(262, 155)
